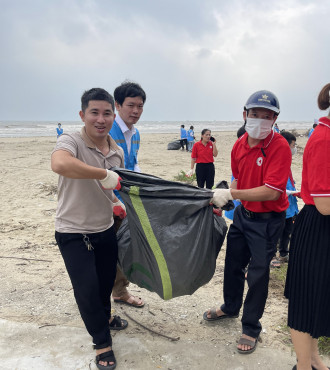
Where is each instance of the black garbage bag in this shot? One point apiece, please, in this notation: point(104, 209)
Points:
point(170, 239)
point(174, 145)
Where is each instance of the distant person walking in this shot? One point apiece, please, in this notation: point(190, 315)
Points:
point(190, 138)
point(203, 154)
point(308, 278)
point(59, 130)
point(183, 138)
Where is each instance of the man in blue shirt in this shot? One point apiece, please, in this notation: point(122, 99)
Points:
point(183, 138)
point(190, 138)
point(312, 129)
point(129, 101)
point(59, 130)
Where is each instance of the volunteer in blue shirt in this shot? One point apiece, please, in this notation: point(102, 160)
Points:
point(190, 138)
point(183, 138)
point(312, 129)
point(59, 130)
point(129, 101)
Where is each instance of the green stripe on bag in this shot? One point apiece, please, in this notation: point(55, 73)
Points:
point(152, 240)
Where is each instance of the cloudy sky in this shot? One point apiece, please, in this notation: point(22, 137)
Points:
point(196, 59)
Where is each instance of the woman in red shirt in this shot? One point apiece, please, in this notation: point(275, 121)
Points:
point(308, 277)
point(203, 154)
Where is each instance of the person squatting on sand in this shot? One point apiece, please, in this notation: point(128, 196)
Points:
point(129, 101)
point(203, 153)
point(84, 218)
point(308, 277)
point(260, 161)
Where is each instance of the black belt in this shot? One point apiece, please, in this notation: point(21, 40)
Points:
point(261, 215)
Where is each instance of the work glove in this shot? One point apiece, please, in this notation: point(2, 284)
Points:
point(293, 192)
point(111, 181)
point(221, 197)
point(119, 209)
point(190, 173)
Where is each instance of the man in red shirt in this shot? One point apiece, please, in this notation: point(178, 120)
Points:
point(260, 162)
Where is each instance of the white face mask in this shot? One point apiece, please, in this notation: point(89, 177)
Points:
point(258, 128)
point(294, 151)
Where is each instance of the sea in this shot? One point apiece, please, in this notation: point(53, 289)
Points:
point(48, 128)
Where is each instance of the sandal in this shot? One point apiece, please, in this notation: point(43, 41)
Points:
point(118, 323)
point(130, 301)
point(213, 313)
point(248, 342)
point(106, 357)
point(275, 263)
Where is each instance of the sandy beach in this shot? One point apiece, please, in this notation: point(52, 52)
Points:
point(38, 309)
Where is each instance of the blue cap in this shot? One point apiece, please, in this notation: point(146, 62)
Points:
point(263, 99)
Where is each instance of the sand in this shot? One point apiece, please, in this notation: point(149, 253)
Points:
point(40, 324)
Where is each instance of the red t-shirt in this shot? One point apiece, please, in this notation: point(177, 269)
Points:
point(316, 163)
point(252, 169)
point(202, 153)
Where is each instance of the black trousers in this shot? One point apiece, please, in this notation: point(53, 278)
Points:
point(184, 142)
point(205, 175)
point(253, 242)
point(92, 273)
point(285, 237)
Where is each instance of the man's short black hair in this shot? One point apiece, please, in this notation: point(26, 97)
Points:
point(128, 89)
point(288, 136)
point(96, 93)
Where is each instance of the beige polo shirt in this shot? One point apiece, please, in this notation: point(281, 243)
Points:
point(83, 205)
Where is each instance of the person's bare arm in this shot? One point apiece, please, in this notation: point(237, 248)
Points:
point(323, 205)
point(259, 194)
point(63, 163)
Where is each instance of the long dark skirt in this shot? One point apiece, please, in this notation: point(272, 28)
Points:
point(308, 278)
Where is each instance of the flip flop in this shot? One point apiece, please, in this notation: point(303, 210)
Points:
point(313, 368)
point(118, 323)
point(130, 301)
point(248, 342)
point(215, 317)
point(275, 263)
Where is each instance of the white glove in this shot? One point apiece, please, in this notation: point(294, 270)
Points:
point(190, 173)
point(221, 197)
point(290, 192)
point(111, 181)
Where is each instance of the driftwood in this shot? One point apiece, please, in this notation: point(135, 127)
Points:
point(151, 330)
point(26, 259)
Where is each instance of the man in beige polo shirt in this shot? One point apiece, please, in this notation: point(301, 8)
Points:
point(84, 218)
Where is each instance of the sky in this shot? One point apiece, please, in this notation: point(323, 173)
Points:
point(196, 59)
